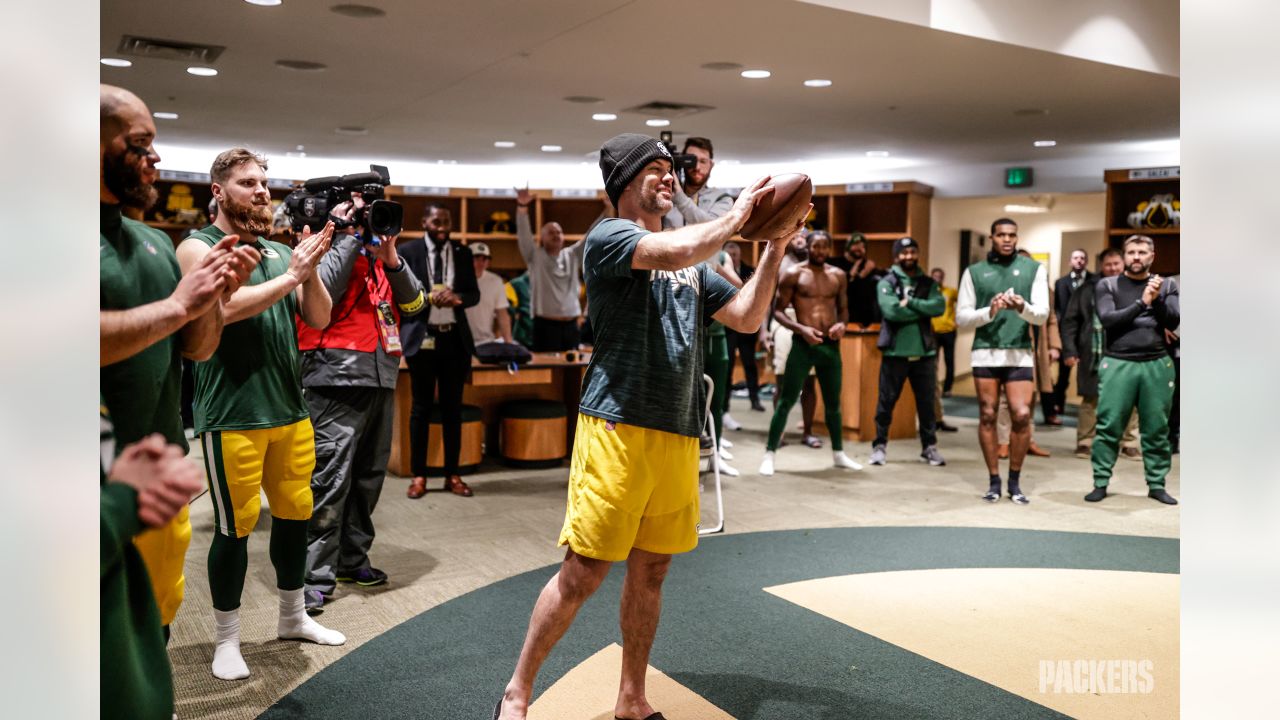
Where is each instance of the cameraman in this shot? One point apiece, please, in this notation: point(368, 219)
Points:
point(349, 370)
point(694, 202)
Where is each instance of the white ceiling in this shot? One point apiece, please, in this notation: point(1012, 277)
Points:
point(443, 80)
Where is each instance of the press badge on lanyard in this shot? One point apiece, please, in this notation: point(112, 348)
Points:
point(387, 327)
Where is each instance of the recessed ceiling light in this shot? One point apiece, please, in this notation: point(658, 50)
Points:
point(721, 66)
point(264, 3)
point(165, 115)
point(301, 65)
point(504, 144)
point(551, 148)
point(1045, 143)
point(657, 122)
point(351, 130)
point(358, 11)
point(756, 74)
point(604, 117)
point(877, 153)
point(116, 62)
point(584, 99)
point(202, 71)
point(817, 83)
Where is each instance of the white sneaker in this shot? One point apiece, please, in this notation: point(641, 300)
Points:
point(840, 460)
point(766, 465)
point(725, 454)
point(729, 423)
point(727, 469)
point(726, 443)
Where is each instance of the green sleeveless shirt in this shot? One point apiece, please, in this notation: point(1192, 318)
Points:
point(254, 379)
point(1007, 330)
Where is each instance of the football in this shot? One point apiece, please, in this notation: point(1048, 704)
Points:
point(780, 210)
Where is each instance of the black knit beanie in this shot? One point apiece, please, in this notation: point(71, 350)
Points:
point(902, 244)
point(624, 156)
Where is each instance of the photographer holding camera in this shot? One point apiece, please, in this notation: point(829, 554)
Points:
point(694, 202)
point(349, 371)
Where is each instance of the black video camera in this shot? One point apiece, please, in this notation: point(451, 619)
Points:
point(680, 162)
point(313, 203)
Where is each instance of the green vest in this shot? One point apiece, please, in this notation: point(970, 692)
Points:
point(1008, 330)
point(137, 266)
point(254, 379)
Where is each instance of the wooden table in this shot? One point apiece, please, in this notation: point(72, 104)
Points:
point(860, 388)
point(548, 377)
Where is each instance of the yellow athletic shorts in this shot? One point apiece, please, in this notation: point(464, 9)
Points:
point(241, 464)
point(630, 487)
point(164, 551)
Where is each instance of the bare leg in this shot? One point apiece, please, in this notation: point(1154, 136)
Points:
point(988, 401)
point(557, 605)
point(1020, 394)
point(638, 616)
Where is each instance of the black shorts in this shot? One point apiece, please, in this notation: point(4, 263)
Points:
point(1004, 374)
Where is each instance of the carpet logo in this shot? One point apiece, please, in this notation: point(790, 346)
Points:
point(1097, 677)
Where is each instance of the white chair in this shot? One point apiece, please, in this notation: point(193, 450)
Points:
point(707, 461)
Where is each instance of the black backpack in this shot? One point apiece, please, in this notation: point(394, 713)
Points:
point(496, 352)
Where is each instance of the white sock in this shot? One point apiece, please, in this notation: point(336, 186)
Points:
point(227, 662)
point(725, 454)
point(295, 624)
point(729, 423)
point(726, 443)
point(766, 465)
point(840, 460)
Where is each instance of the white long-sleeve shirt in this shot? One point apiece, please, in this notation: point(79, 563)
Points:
point(1035, 311)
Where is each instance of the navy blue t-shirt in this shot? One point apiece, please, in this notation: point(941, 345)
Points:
point(649, 326)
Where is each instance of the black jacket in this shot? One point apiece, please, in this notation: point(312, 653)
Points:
point(1076, 326)
point(413, 329)
point(1062, 290)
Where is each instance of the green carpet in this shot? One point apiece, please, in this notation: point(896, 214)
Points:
point(747, 651)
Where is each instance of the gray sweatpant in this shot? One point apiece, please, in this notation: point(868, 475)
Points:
point(353, 443)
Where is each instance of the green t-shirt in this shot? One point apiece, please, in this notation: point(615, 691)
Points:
point(137, 266)
point(715, 329)
point(254, 379)
point(646, 368)
point(1007, 330)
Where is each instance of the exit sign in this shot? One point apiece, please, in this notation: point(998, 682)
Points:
point(1017, 177)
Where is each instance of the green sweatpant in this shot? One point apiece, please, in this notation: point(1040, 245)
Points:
point(1122, 385)
point(716, 362)
point(825, 359)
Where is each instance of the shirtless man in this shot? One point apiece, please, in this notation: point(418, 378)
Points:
point(818, 293)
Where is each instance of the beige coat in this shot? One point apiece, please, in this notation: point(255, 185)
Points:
point(1043, 369)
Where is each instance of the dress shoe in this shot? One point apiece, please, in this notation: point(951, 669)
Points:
point(757, 406)
point(942, 426)
point(454, 484)
point(417, 488)
point(1084, 452)
point(1034, 449)
point(1130, 453)
point(1002, 452)
point(1053, 420)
